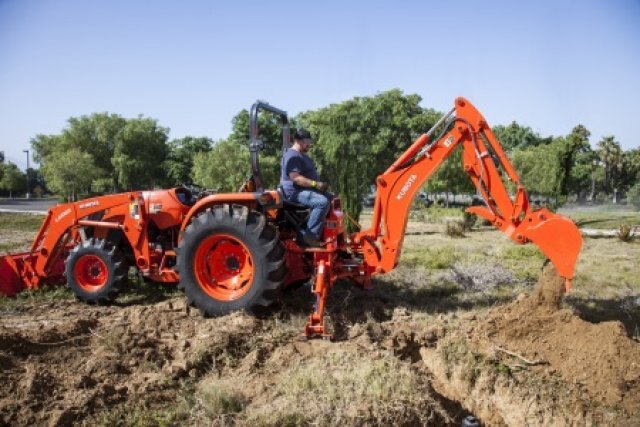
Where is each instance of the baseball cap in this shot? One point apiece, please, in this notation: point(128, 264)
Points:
point(304, 135)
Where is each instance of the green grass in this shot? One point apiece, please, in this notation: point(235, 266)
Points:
point(20, 222)
point(602, 219)
point(431, 258)
point(29, 298)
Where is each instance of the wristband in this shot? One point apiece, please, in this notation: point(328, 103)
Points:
point(314, 184)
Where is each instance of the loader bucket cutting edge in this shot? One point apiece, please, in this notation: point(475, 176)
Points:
point(10, 281)
point(558, 238)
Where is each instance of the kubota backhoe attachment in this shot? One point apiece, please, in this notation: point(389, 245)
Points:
point(483, 159)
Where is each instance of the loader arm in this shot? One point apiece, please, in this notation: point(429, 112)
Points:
point(557, 236)
point(44, 262)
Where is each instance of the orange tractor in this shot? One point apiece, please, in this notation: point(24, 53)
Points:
point(233, 251)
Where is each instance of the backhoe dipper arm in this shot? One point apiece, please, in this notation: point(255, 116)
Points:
point(381, 244)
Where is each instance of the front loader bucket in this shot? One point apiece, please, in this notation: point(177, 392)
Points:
point(10, 281)
point(556, 236)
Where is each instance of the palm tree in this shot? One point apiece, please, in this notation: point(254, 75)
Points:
point(610, 155)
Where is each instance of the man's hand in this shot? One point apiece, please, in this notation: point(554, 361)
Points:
point(322, 186)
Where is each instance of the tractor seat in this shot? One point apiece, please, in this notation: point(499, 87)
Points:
point(289, 205)
point(294, 214)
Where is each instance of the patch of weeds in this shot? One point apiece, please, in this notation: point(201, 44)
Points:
point(341, 388)
point(469, 220)
point(626, 233)
point(217, 402)
point(457, 355)
point(522, 252)
point(454, 227)
point(141, 415)
point(437, 214)
point(140, 291)
point(29, 297)
point(431, 258)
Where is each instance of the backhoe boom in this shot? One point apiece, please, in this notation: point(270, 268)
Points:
point(557, 236)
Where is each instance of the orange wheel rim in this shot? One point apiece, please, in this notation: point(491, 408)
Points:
point(224, 267)
point(91, 273)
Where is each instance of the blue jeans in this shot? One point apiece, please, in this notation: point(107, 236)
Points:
point(319, 204)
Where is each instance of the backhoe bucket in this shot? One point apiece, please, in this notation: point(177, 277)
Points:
point(10, 281)
point(557, 237)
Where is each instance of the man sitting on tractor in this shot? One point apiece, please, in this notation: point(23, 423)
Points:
point(300, 182)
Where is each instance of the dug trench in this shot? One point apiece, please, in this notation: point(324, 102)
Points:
point(525, 362)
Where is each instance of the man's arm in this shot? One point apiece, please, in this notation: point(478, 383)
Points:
point(303, 181)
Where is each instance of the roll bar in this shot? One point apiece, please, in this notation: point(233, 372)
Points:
point(256, 144)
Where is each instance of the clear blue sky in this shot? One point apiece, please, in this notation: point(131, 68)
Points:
point(194, 64)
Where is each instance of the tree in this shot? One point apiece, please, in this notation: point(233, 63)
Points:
point(359, 138)
point(12, 178)
point(516, 136)
point(269, 130)
point(179, 162)
point(634, 195)
point(132, 150)
point(140, 150)
point(581, 179)
point(223, 168)
point(610, 155)
point(538, 169)
point(630, 171)
point(70, 172)
point(450, 178)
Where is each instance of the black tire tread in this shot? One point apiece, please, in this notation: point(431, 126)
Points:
point(251, 227)
point(112, 258)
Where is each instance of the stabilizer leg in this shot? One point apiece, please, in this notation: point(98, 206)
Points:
point(316, 327)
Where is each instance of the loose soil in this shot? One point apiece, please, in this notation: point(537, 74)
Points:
point(529, 362)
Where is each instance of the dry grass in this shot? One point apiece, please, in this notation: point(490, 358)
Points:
point(345, 388)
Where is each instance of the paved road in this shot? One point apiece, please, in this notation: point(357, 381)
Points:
point(27, 205)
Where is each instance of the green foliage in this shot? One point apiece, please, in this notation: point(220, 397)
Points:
point(139, 154)
point(12, 178)
point(119, 153)
point(223, 168)
point(516, 136)
point(70, 172)
point(450, 177)
point(610, 154)
point(269, 131)
point(359, 138)
point(179, 162)
point(546, 169)
point(633, 195)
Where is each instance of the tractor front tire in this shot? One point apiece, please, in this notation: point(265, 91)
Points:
point(230, 259)
point(95, 271)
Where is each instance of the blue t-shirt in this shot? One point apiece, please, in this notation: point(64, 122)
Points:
point(295, 161)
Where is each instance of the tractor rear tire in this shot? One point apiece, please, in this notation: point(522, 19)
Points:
point(95, 271)
point(230, 259)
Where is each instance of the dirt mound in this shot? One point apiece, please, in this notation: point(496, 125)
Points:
point(601, 358)
point(573, 371)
